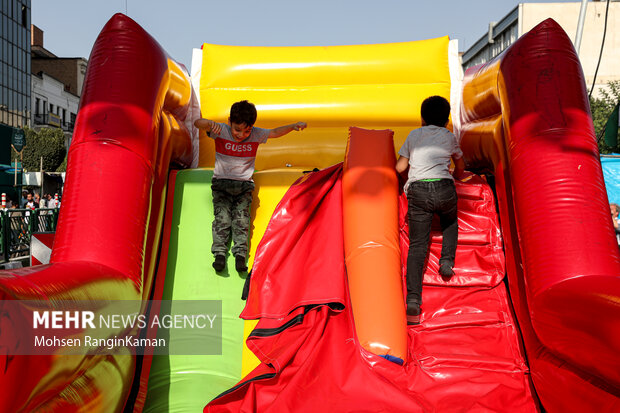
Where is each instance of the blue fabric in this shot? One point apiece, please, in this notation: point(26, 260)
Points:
point(611, 174)
point(393, 359)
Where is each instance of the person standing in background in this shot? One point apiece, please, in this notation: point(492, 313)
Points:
point(615, 209)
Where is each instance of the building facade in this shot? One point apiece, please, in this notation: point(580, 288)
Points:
point(52, 104)
point(526, 16)
point(56, 86)
point(15, 87)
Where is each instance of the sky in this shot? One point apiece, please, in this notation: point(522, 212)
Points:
point(71, 26)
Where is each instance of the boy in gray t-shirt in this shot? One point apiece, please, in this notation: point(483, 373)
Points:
point(236, 144)
point(430, 190)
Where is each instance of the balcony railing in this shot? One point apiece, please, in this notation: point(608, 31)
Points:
point(53, 120)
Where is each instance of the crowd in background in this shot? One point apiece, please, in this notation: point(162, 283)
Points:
point(33, 200)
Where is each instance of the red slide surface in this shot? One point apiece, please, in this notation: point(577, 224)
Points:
point(464, 356)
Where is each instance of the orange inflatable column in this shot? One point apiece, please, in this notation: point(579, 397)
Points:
point(372, 252)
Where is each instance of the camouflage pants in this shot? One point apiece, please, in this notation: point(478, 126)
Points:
point(231, 205)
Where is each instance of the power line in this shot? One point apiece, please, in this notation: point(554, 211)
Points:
point(601, 53)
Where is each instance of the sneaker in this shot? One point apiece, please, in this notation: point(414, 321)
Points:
point(219, 263)
point(413, 313)
point(240, 263)
point(445, 270)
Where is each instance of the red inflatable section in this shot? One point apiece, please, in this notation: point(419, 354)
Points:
point(312, 278)
point(526, 118)
point(128, 131)
point(480, 251)
point(465, 354)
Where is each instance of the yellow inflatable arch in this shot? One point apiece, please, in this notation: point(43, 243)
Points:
point(331, 88)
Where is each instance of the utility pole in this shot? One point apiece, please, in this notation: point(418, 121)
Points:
point(580, 24)
point(41, 169)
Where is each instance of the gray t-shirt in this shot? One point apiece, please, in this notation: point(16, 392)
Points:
point(429, 150)
point(235, 160)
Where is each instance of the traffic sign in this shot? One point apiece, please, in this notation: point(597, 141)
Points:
point(18, 140)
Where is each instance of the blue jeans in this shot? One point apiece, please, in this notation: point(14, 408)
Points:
point(426, 199)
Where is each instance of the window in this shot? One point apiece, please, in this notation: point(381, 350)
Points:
point(51, 108)
point(37, 101)
point(24, 16)
point(64, 115)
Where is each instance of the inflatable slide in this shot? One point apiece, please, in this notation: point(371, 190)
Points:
point(530, 321)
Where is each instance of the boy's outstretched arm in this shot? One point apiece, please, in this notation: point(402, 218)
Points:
point(283, 130)
point(208, 125)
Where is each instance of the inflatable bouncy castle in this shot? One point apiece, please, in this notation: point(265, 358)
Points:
point(530, 321)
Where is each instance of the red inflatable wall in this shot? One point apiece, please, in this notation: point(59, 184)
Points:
point(526, 118)
point(128, 131)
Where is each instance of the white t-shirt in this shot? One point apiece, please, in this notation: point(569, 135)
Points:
point(235, 160)
point(429, 150)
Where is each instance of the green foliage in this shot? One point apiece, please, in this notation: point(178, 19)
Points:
point(601, 108)
point(63, 166)
point(48, 143)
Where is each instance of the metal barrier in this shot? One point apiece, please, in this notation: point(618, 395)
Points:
point(18, 226)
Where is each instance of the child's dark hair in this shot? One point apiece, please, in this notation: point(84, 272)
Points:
point(435, 111)
point(243, 112)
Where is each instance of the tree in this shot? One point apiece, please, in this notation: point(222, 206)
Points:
point(48, 143)
point(63, 166)
point(601, 108)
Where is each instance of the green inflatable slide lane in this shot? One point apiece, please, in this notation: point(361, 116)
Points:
point(179, 383)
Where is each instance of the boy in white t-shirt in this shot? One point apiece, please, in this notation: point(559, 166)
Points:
point(430, 190)
point(236, 144)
